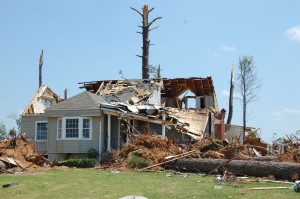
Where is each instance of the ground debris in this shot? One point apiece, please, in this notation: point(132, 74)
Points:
point(19, 154)
point(152, 148)
point(155, 151)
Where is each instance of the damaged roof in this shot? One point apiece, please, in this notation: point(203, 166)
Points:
point(43, 98)
point(170, 87)
point(189, 121)
point(199, 86)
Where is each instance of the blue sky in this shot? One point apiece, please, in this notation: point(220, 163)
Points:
point(94, 39)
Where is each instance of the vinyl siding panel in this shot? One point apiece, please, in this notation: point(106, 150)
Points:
point(41, 146)
point(28, 123)
point(74, 113)
point(73, 145)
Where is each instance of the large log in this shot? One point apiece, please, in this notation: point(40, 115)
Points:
point(280, 170)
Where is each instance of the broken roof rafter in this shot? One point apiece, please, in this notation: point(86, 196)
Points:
point(199, 86)
point(171, 87)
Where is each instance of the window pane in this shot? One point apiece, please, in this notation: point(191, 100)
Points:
point(86, 128)
point(86, 133)
point(72, 128)
point(86, 123)
point(59, 128)
point(41, 131)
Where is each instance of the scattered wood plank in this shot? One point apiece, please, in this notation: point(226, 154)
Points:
point(10, 161)
point(267, 188)
point(172, 159)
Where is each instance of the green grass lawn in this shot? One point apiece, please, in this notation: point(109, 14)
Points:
point(91, 183)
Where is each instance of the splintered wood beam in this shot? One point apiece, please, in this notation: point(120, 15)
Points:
point(100, 87)
point(181, 90)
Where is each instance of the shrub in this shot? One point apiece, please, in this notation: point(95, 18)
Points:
point(136, 160)
point(92, 153)
point(81, 163)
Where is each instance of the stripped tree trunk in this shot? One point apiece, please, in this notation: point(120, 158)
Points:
point(280, 170)
point(146, 41)
point(230, 111)
point(40, 69)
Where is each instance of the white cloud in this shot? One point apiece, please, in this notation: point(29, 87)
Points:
point(293, 33)
point(227, 48)
point(225, 93)
point(278, 115)
point(222, 49)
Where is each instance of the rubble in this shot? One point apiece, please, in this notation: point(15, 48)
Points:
point(208, 155)
point(19, 154)
point(153, 148)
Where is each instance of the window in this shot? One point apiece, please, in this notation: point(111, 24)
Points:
point(74, 128)
point(41, 130)
point(59, 128)
point(86, 128)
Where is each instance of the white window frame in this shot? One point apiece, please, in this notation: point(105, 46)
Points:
point(80, 128)
point(90, 123)
point(36, 129)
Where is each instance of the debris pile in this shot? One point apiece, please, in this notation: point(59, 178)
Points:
point(152, 148)
point(289, 149)
point(19, 154)
point(208, 155)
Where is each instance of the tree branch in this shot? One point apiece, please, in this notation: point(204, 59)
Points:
point(137, 11)
point(151, 10)
point(149, 24)
point(139, 32)
point(139, 56)
point(153, 28)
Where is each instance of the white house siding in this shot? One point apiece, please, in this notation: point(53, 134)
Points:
point(28, 123)
point(58, 147)
point(155, 98)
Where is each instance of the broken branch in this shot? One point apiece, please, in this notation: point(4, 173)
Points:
point(153, 28)
point(154, 21)
point(137, 11)
point(151, 10)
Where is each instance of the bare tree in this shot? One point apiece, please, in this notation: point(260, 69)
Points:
point(17, 119)
point(155, 71)
point(230, 111)
point(146, 42)
point(3, 132)
point(40, 69)
point(249, 85)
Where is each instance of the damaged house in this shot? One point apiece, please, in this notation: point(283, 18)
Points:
point(110, 113)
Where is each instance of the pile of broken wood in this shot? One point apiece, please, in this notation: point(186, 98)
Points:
point(18, 154)
point(207, 156)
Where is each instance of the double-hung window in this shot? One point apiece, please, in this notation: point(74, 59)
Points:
point(74, 128)
point(41, 131)
point(86, 128)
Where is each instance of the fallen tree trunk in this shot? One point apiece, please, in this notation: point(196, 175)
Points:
point(280, 170)
point(264, 158)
